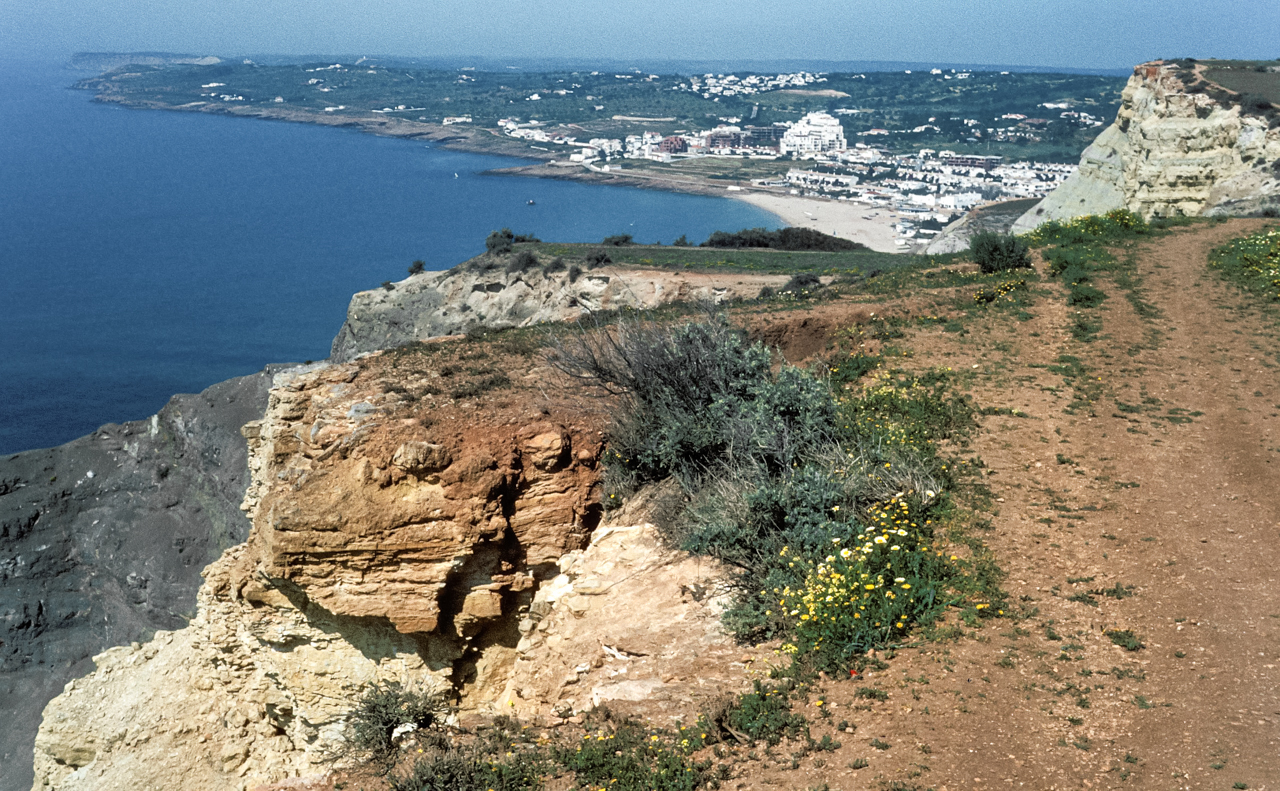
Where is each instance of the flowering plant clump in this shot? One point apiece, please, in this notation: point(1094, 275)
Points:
point(870, 590)
point(1117, 223)
point(1003, 292)
point(1252, 261)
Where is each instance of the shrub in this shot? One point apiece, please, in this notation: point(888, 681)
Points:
point(763, 713)
point(683, 241)
point(417, 267)
point(620, 240)
point(698, 398)
point(598, 257)
point(387, 285)
point(383, 708)
point(499, 242)
point(523, 238)
point(795, 239)
point(556, 265)
point(471, 770)
point(574, 273)
point(994, 252)
point(523, 261)
point(802, 283)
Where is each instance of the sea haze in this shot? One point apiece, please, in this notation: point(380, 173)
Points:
point(146, 253)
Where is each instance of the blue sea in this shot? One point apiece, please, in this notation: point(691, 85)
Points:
point(146, 253)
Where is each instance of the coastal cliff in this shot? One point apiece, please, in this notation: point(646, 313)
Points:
point(451, 545)
point(104, 539)
point(1174, 150)
point(106, 536)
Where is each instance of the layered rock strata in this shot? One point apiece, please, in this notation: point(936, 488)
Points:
point(1170, 153)
point(381, 549)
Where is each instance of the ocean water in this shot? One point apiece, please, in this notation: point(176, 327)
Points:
point(147, 253)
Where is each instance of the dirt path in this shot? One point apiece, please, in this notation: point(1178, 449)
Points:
point(1179, 462)
point(1152, 505)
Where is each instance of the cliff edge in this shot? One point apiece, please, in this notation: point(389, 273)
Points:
point(102, 541)
point(440, 540)
point(1180, 146)
point(492, 291)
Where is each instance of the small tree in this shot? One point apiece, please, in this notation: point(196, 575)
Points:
point(598, 258)
point(683, 241)
point(620, 240)
point(417, 267)
point(994, 252)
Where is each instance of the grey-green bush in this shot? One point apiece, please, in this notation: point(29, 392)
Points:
point(387, 706)
point(994, 252)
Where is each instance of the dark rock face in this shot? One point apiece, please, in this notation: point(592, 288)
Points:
point(102, 541)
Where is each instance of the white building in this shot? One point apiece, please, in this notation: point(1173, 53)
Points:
point(814, 134)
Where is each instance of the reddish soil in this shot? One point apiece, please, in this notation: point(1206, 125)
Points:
point(1162, 484)
point(1186, 511)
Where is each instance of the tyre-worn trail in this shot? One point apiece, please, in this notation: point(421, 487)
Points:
point(1167, 484)
point(1138, 492)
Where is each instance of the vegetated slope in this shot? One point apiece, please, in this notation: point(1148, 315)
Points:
point(1130, 452)
point(1128, 449)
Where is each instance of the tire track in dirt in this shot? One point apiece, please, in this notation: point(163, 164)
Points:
point(1163, 486)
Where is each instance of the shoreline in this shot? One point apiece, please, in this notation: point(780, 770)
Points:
point(868, 225)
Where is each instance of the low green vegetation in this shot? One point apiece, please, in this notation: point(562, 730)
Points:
point(1252, 262)
point(827, 497)
point(403, 738)
point(386, 709)
point(782, 239)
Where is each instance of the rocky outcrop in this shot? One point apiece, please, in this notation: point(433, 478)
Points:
point(1170, 152)
point(628, 623)
point(992, 218)
point(482, 292)
point(246, 693)
point(102, 541)
point(463, 559)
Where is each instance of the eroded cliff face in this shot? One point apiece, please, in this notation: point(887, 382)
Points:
point(102, 541)
point(445, 546)
point(434, 304)
point(1170, 153)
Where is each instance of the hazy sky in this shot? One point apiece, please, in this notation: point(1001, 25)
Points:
point(1079, 33)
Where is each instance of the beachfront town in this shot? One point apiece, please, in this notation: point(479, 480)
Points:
point(929, 185)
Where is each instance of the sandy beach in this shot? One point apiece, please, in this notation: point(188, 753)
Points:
point(857, 222)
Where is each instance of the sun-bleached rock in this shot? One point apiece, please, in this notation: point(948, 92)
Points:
point(482, 292)
point(1170, 153)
